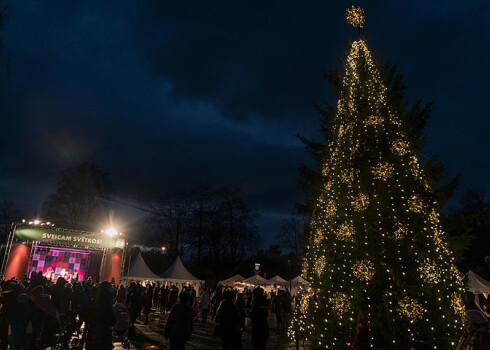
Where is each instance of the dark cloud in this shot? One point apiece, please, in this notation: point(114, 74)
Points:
point(167, 94)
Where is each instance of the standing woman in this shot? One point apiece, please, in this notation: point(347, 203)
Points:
point(100, 319)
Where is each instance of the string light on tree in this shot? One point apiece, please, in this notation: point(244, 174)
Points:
point(416, 204)
point(400, 147)
point(345, 232)
point(409, 308)
point(400, 231)
point(376, 246)
point(430, 272)
point(361, 202)
point(340, 303)
point(374, 120)
point(363, 270)
point(383, 171)
point(355, 16)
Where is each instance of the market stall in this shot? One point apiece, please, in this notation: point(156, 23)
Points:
point(229, 282)
point(255, 280)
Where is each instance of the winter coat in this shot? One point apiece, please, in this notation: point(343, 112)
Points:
point(477, 339)
point(362, 336)
point(99, 325)
point(259, 313)
point(227, 317)
point(204, 304)
point(20, 325)
point(180, 322)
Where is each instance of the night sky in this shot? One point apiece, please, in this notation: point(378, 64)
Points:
point(166, 95)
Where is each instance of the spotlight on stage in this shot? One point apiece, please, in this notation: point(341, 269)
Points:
point(111, 232)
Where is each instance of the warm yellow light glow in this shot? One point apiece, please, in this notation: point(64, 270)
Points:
point(409, 308)
point(355, 16)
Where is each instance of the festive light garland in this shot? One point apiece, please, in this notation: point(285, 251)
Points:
point(363, 270)
point(383, 171)
point(320, 265)
point(340, 303)
point(355, 16)
point(374, 120)
point(361, 202)
point(430, 272)
point(345, 232)
point(330, 209)
point(327, 309)
point(318, 238)
point(400, 231)
point(347, 176)
point(409, 308)
point(416, 204)
point(399, 147)
point(457, 304)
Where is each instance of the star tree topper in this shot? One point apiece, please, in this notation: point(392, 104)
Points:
point(355, 17)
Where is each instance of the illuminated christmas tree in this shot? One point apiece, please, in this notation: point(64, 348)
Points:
point(377, 249)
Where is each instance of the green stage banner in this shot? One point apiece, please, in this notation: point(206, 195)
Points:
point(44, 234)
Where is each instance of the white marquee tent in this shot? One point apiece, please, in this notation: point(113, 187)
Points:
point(255, 280)
point(178, 275)
point(296, 283)
point(477, 285)
point(276, 280)
point(230, 281)
point(139, 272)
point(299, 281)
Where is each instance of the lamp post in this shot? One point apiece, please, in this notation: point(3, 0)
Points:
point(163, 251)
point(289, 265)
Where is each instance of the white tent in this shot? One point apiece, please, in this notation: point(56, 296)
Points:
point(255, 280)
point(296, 283)
point(229, 281)
point(139, 271)
point(299, 281)
point(276, 280)
point(177, 274)
point(476, 284)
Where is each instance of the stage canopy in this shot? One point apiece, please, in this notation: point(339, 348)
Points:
point(255, 280)
point(139, 271)
point(276, 280)
point(229, 281)
point(477, 285)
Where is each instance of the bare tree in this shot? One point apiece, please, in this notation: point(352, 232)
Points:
point(9, 212)
point(172, 223)
point(79, 197)
point(238, 220)
point(204, 198)
point(290, 233)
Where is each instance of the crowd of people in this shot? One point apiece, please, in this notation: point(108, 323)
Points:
point(38, 313)
point(231, 309)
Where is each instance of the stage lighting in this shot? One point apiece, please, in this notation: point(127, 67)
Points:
point(111, 232)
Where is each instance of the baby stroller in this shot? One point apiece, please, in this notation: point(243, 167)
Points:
point(120, 331)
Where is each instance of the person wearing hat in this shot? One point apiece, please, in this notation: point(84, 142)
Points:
point(478, 335)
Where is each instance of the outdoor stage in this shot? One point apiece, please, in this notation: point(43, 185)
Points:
point(55, 252)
